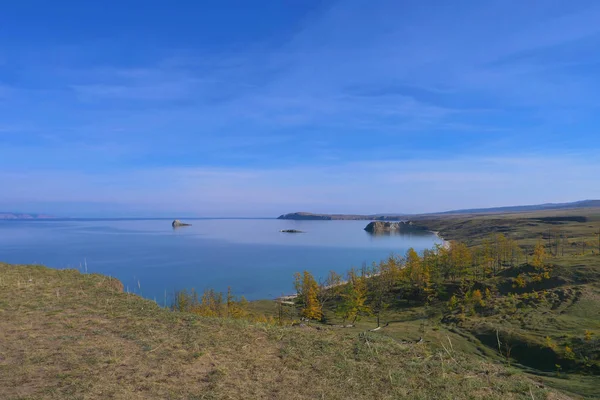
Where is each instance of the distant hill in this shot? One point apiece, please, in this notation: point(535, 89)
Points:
point(400, 217)
point(537, 207)
point(329, 217)
point(12, 215)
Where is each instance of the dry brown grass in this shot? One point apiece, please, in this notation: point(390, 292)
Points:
point(66, 335)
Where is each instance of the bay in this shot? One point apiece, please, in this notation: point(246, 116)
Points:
point(152, 259)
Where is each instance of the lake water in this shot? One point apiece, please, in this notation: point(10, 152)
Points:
point(250, 255)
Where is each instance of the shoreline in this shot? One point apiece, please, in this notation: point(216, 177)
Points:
point(445, 243)
point(288, 299)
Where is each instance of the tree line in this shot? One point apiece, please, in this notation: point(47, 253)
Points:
point(422, 277)
point(214, 304)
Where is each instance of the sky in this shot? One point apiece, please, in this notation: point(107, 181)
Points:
point(259, 108)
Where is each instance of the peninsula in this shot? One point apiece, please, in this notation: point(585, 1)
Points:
point(333, 217)
point(576, 205)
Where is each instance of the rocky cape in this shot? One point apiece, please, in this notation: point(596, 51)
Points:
point(382, 227)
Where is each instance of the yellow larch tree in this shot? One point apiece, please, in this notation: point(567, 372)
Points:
point(539, 256)
point(354, 298)
point(311, 307)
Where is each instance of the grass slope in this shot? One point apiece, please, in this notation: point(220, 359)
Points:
point(66, 335)
point(574, 290)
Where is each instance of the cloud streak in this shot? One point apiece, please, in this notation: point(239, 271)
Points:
point(365, 187)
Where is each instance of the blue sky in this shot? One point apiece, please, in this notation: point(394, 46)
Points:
point(239, 108)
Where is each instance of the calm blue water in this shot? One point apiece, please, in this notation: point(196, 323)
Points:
point(250, 255)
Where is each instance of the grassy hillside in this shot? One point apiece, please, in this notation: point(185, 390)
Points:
point(66, 335)
point(549, 329)
point(526, 227)
point(530, 208)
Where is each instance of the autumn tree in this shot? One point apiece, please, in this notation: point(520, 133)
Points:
point(414, 268)
point(539, 256)
point(329, 288)
point(538, 262)
point(461, 258)
point(415, 277)
point(520, 281)
point(516, 253)
point(453, 303)
point(488, 258)
point(411, 276)
point(298, 284)
point(236, 308)
point(211, 304)
point(354, 297)
point(433, 260)
point(501, 250)
point(312, 308)
point(381, 284)
point(442, 260)
point(463, 294)
point(230, 305)
point(308, 290)
point(182, 301)
point(477, 298)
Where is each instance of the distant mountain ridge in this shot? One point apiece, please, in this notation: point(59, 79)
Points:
point(330, 217)
point(535, 207)
point(13, 215)
point(400, 217)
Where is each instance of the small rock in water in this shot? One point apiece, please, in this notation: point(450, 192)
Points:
point(177, 223)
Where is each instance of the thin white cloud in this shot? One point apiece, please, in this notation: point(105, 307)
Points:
point(392, 186)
